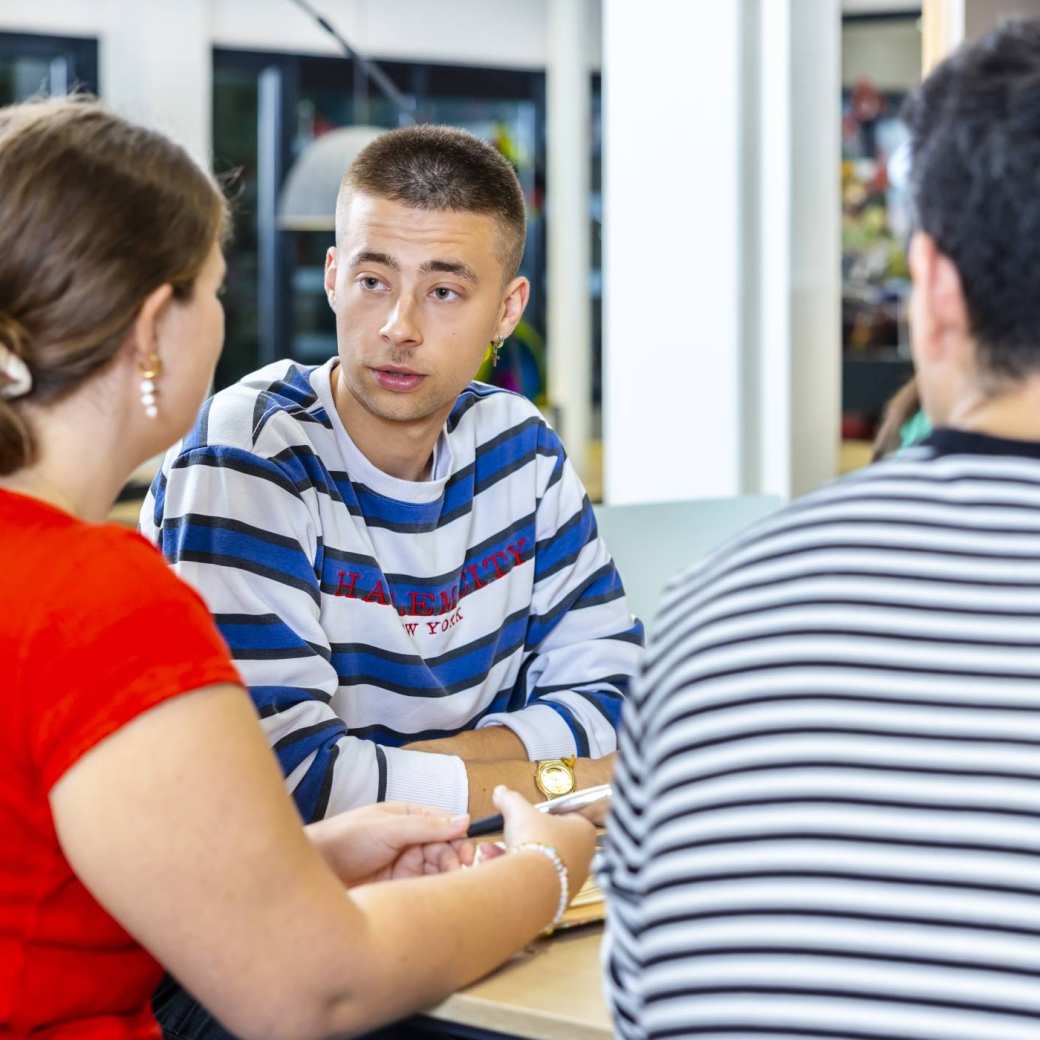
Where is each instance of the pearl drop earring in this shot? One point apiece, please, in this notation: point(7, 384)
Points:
point(148, 387)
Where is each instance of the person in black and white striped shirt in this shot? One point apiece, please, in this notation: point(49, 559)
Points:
point(827, 815)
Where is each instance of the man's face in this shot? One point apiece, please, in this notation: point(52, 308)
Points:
point(418, 295)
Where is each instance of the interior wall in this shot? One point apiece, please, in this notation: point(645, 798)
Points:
point(154, 55)
point(980, 16)
point(880, 7)
point(505, 33)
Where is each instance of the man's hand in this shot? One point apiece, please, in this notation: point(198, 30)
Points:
point(391, 840)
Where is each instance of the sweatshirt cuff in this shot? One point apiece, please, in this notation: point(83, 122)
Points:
point(427, 779)
point(541, 730)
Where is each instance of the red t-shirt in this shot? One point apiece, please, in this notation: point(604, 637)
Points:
point(94, 630)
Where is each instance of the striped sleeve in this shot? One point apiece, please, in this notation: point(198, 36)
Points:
point(240, 528)
point(583, 642)
point(621, 876)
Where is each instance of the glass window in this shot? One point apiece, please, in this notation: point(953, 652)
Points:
point(32, 65)
point(235, 102)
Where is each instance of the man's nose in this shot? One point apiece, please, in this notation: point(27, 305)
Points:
point(401, 329)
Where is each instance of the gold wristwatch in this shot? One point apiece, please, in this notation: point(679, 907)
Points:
point(554, 777)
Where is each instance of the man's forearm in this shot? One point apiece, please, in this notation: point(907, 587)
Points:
point(484, 777)
point(491, 744)
point(496, 755)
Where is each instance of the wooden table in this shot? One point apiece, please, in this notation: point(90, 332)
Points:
point(551, 991)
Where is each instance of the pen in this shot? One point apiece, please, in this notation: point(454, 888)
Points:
point(567, 803)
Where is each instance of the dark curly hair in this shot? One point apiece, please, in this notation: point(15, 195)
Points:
point(975, 139)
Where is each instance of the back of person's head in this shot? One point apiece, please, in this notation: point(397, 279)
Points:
point(95, 213)
point(443, 168)
point(975, 139)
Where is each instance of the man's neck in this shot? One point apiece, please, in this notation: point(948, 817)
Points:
point(401, 450)
point(1011, 412)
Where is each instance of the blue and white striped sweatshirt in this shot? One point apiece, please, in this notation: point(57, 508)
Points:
point(365, 612)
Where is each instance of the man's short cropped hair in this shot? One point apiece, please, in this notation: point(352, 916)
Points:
point(441, 167)
point(975, 140)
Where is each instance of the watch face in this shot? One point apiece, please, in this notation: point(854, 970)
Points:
point(556, 780)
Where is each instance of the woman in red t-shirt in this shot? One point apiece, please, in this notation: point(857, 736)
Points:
point(141, 810)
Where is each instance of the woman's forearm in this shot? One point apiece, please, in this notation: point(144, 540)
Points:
point(423, 939)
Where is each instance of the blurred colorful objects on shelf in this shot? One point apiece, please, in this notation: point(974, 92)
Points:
point(875, 223)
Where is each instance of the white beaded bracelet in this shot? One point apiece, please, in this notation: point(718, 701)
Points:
point(553, 857)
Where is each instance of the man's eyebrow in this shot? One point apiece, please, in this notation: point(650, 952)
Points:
point(450, 267)
point(369, 257)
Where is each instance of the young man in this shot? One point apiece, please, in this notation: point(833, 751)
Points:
point(403, 562)
point(825, 822)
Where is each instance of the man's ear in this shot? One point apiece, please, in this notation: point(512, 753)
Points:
point(517, 293)
point(330, 276)
point(950, 305)
point(147, 325)
point(940, 299)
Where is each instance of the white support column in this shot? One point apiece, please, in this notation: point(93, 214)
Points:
point(567, 197)
point(722, 294)
point(156, 67)
point(942, 29)
point(799, 208)
point(671, 225)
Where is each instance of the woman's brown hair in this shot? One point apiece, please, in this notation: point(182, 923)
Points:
point(95, 213)
point(903, 405)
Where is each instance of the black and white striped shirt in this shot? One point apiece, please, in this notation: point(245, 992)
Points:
point(827, 818)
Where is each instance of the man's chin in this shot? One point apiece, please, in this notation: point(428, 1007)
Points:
point(400, 408)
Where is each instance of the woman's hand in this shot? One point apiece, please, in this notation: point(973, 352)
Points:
point(391, 840)
point(573, 837)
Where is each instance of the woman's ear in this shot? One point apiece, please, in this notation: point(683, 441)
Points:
point(147, 325)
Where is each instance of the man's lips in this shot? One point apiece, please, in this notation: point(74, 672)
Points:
point(399, 380)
